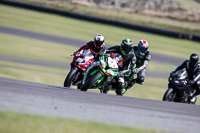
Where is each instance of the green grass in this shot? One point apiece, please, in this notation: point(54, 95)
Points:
point(83, 30)
point(34, 49)
point(33, 73)
point(130, 17)
point(23, 123)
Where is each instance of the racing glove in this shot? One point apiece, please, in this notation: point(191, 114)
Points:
point(120, 74)
point(173, 72)
point(75, 53)
point(135, 71)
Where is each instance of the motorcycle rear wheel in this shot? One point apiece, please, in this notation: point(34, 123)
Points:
point(91, 81)
point(70, 77)
point(170, 95)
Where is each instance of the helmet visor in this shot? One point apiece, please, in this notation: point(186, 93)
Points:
point(194, 59)
point(98, 43)
point(193, 62)
point(126, 50)
point(142, 49)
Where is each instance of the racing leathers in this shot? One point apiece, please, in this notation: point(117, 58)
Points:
point(128, 62)
point(141, 64)
point(193, 74)
point(94, 50)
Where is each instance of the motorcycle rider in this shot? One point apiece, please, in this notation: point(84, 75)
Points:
point(97, 47)
point(129, 60)
point(143, 57)
point(192, 67)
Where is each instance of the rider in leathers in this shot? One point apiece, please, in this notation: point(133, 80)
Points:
point(143, 57)
point(129, 60)
point(97, 47)
point(192, 67)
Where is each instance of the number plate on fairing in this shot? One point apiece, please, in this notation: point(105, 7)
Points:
point(112, 63)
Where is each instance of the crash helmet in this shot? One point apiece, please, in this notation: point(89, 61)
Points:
point(143, 46)
point(126, 46)
point(194, 58)
point(98, 41)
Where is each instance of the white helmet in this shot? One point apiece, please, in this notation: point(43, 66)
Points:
point(143, 46)
point(98, 41)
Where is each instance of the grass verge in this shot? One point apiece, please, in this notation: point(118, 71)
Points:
point(23, 123)
point(35, 49)
point(33, 73)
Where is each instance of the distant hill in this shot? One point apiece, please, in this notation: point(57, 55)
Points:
point(164, 8)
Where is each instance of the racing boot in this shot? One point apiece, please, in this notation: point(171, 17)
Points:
point(192, 96)
point(120, 89)
point(131, 84)
point(193, 100)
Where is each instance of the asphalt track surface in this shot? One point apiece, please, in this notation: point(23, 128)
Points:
point(41, 99)
point(78, 43)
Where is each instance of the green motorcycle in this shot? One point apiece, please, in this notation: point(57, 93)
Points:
point(103, 74)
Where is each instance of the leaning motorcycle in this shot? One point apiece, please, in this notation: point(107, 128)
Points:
point(80, 62)
point(103, 74)
point(178, 89)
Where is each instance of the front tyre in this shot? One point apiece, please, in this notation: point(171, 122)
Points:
point(70, 77)
point(170, 95)
point(91, 81)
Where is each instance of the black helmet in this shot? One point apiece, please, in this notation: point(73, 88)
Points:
point(126, 46)
point(194, 58)
point(98, 41)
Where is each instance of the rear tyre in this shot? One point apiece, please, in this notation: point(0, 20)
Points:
point(70, 77)
point(91, 81)
point(170, 95)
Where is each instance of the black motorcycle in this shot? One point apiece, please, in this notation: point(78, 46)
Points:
point(179, 90)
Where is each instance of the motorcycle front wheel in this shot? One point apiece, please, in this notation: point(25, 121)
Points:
point(91, 81)
point(170, 95)
point(70, 77)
